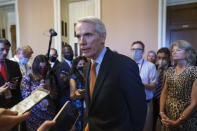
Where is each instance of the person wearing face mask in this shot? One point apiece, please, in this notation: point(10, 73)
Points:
point(23, 54)
point(41, 77)
point(77, 88)
point(149, 76)
point(63, 72)
point(152, 56)
point(162, 64)
point(53, 55)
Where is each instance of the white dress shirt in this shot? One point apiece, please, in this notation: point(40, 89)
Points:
point(148, 74)
point(99, 60)
point(69, 62)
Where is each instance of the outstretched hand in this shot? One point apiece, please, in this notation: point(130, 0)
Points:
point(46, 125)
point(8, 119)
point(4, 88)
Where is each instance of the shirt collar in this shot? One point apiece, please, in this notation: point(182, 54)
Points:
point(140, 61)
point(16, 58)
point(99, 59)
point(69, 62)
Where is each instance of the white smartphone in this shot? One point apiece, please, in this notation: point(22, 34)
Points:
point(26, 104)
point(66, 117)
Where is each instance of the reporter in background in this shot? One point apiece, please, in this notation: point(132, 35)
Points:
point(162, 64)
point(9, 70)
point(23, 54)
point(77, 88)
point(54, 62)
point(152, 56)
point(41, 77)
point(178, 102)
point(63, 72)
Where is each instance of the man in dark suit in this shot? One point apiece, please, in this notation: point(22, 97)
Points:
point(10, 73)
point(53, 55)
point(63, 72)
point(115, 99)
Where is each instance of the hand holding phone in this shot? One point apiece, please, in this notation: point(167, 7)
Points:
point(9, 119)
point(42, 84)
point(4, 88)
point(13, 82)
point(64, 76)
point(66, 117)
point(80, 93)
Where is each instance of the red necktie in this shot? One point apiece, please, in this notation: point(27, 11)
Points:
point(3, 71)
point(92, 83)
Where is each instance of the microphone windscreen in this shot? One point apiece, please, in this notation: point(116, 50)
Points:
point(52, 32)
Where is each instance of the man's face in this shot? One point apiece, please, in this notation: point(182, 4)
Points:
point(90, 42)
point(4, 49)
point(67, 51)
point(24, 54)
point(163, 60)
point(137, 52)
point(52, 53)
point(28, 54)
point(162, 56)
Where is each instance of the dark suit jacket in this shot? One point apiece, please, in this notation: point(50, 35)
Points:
point(12, 70)
point(64, 90)
point(118, 102)
point(56, 66)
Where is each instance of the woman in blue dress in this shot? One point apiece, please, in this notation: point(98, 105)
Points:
point(77, 88)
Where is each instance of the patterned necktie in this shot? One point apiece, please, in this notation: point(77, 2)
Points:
point(92, 83)
point(3, 71)
point(93, 78)
point(161, 78)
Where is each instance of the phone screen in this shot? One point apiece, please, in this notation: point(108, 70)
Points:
point(30, 101)
point(66, 117)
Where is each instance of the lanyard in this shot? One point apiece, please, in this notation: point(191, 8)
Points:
point(141, 65)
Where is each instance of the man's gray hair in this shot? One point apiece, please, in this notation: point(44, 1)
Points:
point(24, 49)
point(100, 27)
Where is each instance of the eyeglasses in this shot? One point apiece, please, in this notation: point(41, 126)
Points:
point(136, 49)
point(2, 49)
point(177, 50)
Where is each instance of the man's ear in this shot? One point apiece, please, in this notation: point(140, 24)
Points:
point(103, 37)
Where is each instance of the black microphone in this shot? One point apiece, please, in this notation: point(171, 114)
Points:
point(52, 32)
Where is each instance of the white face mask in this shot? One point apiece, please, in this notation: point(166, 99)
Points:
point(162, 63)
point(136, 55)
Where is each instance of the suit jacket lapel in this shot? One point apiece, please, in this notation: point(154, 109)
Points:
point(103, 71)
point(87, 82)
point(7, 69)
point(1, 80)
point(67, 65)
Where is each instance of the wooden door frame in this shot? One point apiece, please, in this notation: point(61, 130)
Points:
point(15, 3)
point(57, 23)
point(163, 17)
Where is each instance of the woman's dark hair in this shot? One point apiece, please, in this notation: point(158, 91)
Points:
point(36, 64)
point(74, 68)
point(165, 51)
point(5, 42)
